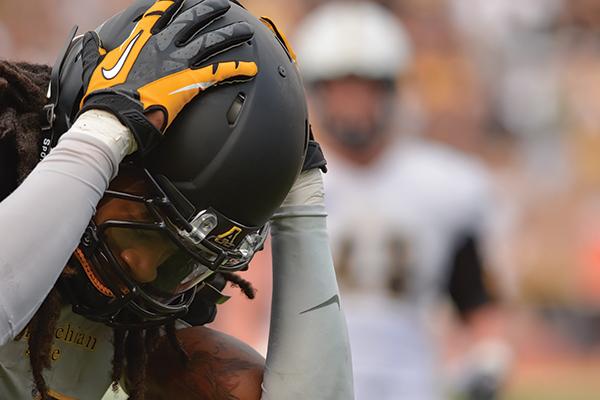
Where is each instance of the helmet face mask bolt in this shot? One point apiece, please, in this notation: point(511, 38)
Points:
point(208, 189)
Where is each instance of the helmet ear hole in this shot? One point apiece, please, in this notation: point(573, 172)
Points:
point(235, 110)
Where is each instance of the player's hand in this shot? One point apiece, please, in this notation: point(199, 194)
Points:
point(162, 65)
point(482, 387)
point(483, 371)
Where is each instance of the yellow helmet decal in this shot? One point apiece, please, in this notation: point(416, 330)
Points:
point(227, 239)
point(280, 35)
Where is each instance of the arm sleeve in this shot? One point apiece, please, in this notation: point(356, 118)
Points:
point(42, 221)
point(308, 355)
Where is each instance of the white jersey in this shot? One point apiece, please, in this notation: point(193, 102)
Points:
point(394, 226)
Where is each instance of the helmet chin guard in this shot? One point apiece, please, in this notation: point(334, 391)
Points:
point(210, 187)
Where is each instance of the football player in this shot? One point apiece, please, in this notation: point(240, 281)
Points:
point(183, 212)
point(406, 215)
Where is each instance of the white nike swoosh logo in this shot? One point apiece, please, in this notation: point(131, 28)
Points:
point(202, 85)
point(114, 71)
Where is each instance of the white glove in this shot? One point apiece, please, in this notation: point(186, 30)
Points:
point(483, 371)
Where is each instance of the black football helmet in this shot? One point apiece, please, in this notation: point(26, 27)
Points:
point(209, 188)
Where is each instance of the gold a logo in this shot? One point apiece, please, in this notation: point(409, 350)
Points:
point(227, 239)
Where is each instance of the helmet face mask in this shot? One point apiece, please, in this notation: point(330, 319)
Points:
point(200, 202)
point(169, 255)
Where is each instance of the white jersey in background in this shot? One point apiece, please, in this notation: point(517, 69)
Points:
point(395, 227)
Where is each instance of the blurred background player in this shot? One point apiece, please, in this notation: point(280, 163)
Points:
point(407, 215)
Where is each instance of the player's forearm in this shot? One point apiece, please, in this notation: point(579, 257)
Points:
point(43, 220)
point(309, 354)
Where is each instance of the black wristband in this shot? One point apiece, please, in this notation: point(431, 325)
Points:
point(314, 155)
point(130, 113)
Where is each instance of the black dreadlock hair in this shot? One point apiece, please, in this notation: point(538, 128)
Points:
point(22, 97)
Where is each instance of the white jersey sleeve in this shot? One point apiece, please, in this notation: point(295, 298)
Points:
point(42, 221)
point(308, 355)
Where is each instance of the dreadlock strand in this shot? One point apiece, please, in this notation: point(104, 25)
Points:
point(26, 83)
point(118, 356)
point(41, 334)
point(135, 366)
point(39, 74)
point(245, 286)
point(176, 344)
point(22, 97)
point(151, 339)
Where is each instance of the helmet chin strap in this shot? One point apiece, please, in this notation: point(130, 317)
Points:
point(91, 275)
point(100, 291)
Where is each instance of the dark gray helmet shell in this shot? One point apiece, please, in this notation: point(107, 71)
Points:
point(237, 148)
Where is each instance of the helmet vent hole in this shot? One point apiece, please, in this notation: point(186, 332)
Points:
point(235, 110)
